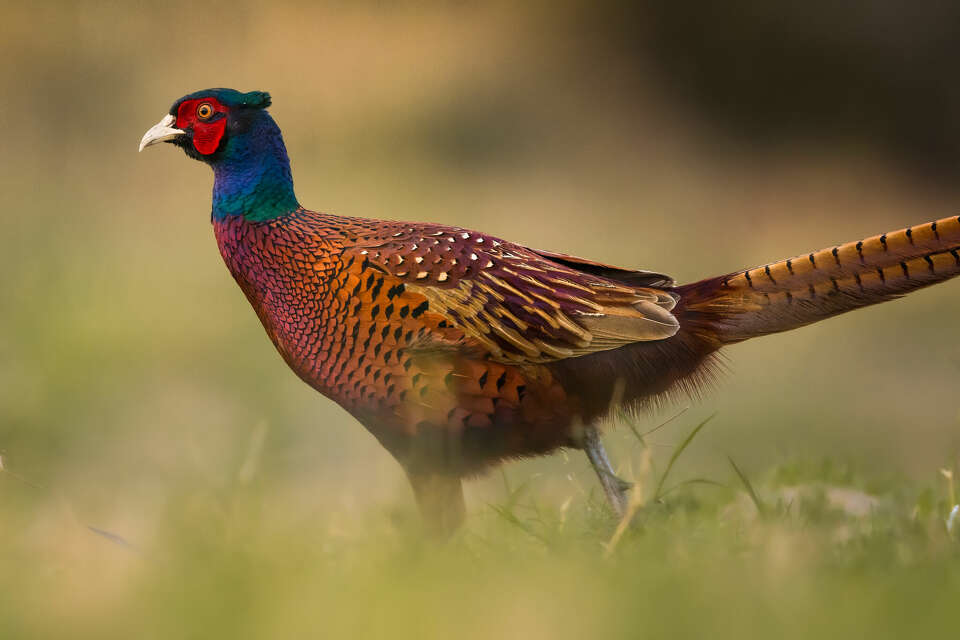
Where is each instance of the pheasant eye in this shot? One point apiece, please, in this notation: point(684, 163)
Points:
point(204, 111)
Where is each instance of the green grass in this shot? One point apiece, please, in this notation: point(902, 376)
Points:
point(830, 557)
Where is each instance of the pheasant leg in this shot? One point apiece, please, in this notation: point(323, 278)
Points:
point(615, 489)
point(440, 498)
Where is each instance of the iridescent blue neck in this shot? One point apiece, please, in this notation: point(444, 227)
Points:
point(251, 178)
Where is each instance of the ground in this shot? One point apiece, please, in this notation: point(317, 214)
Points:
point(801, 550)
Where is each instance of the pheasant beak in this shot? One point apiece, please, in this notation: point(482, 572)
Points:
point(160, 132)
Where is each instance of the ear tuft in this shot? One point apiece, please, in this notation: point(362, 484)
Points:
point(256, 100)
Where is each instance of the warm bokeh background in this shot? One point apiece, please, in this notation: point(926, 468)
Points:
point(139, 396)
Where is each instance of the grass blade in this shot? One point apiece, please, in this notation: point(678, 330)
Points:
point(642, 436)
point(707, 481)
point(761, 509)
point(114, 538)
point(677, 453)
point(509, 516)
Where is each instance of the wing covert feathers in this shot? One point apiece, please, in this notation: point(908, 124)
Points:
point(516, 304)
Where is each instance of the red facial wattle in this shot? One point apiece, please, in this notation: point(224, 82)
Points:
point(207, 131)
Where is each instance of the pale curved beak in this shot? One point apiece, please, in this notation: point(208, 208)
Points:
point(160, 132)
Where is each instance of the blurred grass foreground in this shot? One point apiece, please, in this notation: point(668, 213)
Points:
point(164, 476)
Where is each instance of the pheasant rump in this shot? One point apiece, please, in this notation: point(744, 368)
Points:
point(457, 349)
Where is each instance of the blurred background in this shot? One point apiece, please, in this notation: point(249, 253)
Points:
point(139, 395)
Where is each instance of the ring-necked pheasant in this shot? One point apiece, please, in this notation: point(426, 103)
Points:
point(457, 349)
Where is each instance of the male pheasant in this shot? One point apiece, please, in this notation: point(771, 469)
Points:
point(457, 349)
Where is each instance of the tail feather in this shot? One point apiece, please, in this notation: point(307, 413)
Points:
point(795, 292)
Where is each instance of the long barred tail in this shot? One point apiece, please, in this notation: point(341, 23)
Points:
point(792, 293)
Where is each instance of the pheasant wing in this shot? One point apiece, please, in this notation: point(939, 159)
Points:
point(633, 277)
point(517, 304)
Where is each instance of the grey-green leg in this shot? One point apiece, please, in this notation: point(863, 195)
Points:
point(615, 489)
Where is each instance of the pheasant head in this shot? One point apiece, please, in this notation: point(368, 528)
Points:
point(234, 134)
